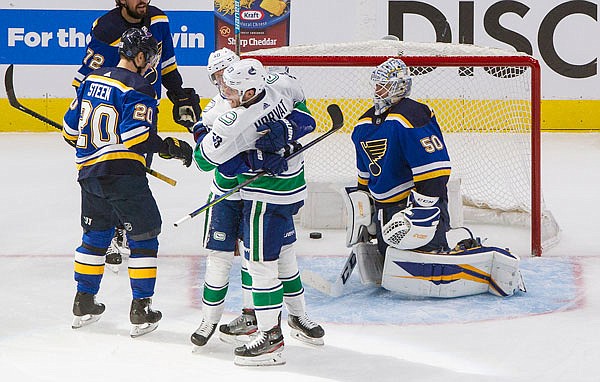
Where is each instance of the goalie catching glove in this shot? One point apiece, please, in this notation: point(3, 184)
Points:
point(414, 226)
point(173, 148)
point(186, 107)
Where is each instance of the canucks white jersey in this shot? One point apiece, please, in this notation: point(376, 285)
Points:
point(221, 184)
point(234, 132)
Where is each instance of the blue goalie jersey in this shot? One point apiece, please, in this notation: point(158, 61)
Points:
point(111, 122)
point(401, 150)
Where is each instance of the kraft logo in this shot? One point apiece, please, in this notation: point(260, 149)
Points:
point(290, 233)
point(252, 15)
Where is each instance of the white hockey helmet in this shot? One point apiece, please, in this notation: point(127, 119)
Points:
point(220, 60)
point(391, 82)
point(244, 75)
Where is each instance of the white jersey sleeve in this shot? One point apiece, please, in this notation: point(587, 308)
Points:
point(217, 106)
point(234, 131)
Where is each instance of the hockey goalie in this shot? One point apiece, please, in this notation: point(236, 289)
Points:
point(401, 200)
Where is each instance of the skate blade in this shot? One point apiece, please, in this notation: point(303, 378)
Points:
point(81, 321)
point(270, 359)
point(297, 334)
point(235, 340)
point(141, 329)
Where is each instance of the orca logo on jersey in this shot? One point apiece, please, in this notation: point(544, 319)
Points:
point(375, 150)
point(228, 118)
point(252, 71)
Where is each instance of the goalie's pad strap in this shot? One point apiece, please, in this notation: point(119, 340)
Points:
point(473, 271)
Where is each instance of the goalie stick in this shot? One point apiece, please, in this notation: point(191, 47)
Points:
point(337, 121)
point(14, 102)
point(336, 288)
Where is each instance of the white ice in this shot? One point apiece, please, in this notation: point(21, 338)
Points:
point(551, 333)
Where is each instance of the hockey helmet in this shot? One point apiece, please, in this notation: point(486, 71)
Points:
point(135, 40)
point(219, 60)
point(244, 75)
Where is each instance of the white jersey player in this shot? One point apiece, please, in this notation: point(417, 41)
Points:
point(271, 201)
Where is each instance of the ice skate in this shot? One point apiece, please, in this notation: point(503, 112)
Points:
point(86, 310)
point(143, 318)
point(265, 349)
point(306, 330)
point(117, 249)
point(240, 329)
point(201, 336)
point(113, 258)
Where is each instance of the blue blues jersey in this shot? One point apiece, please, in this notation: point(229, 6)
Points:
point(111, 122)
point(103, 51)
point(401, 150)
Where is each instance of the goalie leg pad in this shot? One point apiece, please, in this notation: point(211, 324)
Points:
point(360, 215)
point(370, 263)
point(474, 271)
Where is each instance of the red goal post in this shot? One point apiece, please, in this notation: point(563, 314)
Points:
point(487, 102)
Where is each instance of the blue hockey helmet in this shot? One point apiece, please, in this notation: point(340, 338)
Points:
point(136, 40)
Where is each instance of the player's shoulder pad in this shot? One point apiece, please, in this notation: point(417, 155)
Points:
point(416, 113)
point(127, 79)
point(154, 11)
point(109, 27)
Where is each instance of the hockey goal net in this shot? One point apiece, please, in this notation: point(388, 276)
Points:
point(486, 100)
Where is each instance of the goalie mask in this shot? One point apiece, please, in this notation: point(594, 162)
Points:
point(391, 82)
point(220, 60)
point(242, 76)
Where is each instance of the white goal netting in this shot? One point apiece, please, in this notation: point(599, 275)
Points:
point(486, 101)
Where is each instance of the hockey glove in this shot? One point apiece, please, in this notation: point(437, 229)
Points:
point(173, 148)
point(199, 130)
point(276, 135)
point(186, 107)
point(272, 163)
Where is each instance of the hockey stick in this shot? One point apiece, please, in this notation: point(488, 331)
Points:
point(336, 288)
point(337, 121)
point(14, 102)
point(237, 30)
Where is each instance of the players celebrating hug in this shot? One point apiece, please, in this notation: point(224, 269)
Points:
point(268, 115)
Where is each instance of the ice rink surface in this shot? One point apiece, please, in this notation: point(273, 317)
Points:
point(550, 333)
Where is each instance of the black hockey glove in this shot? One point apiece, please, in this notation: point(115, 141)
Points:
point(186, 107)
point(276, 135)
point(272, 163)
point(173, 148)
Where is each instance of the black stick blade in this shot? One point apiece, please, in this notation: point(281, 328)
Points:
point(10, 88)
point(337, 117)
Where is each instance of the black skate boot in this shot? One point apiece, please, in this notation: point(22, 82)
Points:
point(201, 336)
point(239, 330)
point(265, 349)
point(142, 317)
point(86, 309)
point(306, 330)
